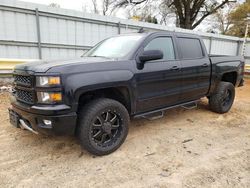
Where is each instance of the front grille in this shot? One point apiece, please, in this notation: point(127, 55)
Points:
point(25, 96)
point(23, 87)
point(22, 80)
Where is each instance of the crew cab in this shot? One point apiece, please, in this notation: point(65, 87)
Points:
point(122, 77)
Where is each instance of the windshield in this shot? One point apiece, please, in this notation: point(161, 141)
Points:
point(114, 47)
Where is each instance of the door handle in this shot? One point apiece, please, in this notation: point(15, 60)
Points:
point(175, 68)
point(205, 65)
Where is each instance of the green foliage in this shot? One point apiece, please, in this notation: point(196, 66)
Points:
point(239, 19)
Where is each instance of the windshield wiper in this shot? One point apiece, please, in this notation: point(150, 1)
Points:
point(99, 56)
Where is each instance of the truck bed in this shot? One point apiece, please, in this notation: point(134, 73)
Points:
point(224, 58)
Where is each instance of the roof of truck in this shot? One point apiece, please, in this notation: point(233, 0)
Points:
point(147, 33)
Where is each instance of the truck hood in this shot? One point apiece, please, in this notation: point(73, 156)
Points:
point(44, 66)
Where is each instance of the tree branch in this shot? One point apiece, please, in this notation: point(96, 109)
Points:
point(123, 3)
point(196, 8)
point(178, 7)
point(209, 13)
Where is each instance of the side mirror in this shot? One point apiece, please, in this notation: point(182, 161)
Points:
point(151, 55)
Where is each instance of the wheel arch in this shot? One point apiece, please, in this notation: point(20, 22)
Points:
point(121, 94)
point(230, 77)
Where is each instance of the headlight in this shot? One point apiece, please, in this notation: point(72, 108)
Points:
point(45, 81)
point(49, 97)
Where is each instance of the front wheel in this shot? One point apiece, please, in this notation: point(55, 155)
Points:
point(222, 100)
point(103, 126)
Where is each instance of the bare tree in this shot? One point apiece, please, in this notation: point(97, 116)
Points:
point(103, 7)
point(94, 3)
point(189, 13)
point(166, 13)
point(223, 19)
point(55, 5)
point(108, 7)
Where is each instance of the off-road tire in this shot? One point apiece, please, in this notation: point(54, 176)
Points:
point(222, 99)
point(92, 112)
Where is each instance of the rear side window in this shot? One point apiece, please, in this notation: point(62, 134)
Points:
point(165, 44)
point(190, 48)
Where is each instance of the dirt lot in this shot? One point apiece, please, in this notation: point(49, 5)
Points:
point(216, 154)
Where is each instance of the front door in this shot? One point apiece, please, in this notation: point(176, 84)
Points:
point(158, 83)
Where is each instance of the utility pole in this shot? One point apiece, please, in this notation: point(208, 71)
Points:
point(246, 34)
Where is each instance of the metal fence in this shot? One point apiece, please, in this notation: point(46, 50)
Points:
point(34, 31)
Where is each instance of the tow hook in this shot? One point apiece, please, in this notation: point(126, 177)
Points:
point(25, 126)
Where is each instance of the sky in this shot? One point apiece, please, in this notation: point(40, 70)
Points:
point(68, 4)
point(86, 5)
point(79, 5)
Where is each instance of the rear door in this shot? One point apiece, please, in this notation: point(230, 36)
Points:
point(196, 68)
point(158, 83)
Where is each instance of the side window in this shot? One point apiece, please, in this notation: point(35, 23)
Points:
point(190, 48)
point(165, 44)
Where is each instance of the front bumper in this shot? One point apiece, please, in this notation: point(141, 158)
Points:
point(61, 123)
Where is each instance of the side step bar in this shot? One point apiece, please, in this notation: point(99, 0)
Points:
point(154, 116)
point(190, 106)
point(25, 126)
point(150, 115)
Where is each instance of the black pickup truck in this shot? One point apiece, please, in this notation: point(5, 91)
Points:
point(132, 75)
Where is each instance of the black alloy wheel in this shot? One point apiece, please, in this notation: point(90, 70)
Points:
point(106, 128)
point(102, 126)
point(222, 99)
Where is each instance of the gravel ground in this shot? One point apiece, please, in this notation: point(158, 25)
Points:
point(186, 148)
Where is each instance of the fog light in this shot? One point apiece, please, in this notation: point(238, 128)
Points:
point(47, 122)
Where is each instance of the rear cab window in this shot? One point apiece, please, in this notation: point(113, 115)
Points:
point(190, 48)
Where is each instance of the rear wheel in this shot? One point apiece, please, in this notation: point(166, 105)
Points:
point(103, 126)
point(222, 100)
